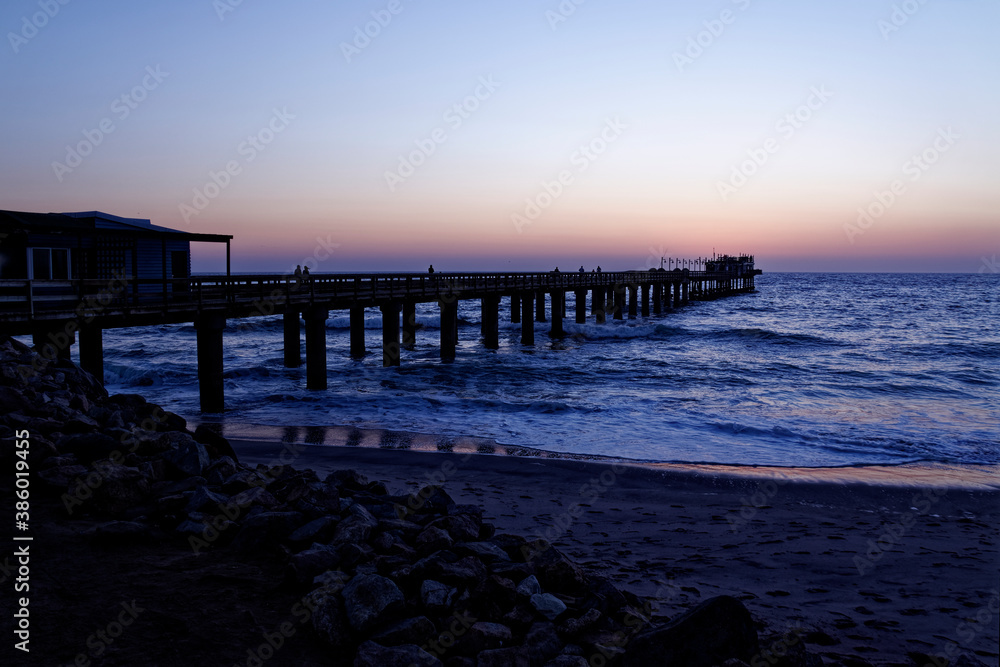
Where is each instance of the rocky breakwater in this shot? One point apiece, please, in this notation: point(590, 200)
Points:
point(388, 579)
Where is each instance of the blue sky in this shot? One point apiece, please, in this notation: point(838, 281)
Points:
point(671, 178)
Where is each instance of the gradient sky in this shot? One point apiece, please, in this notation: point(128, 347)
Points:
point(678, 119)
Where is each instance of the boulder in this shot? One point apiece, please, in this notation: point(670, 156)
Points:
point(371, 654)
point(371, 600)
point(265, 529)
point(213, 440)
point(715, 631)
point(548, 605)
point(189, 459)
point(417, 630)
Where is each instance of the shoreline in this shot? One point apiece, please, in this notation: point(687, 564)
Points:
point(869, 571)
point(914, 474)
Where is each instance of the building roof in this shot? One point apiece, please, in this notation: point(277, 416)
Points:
point(88, 222)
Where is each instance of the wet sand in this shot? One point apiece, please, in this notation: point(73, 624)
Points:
point(873, 564)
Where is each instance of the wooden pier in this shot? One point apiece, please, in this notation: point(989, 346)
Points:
point(54, 312)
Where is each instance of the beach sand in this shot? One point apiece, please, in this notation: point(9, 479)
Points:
point(872, 564)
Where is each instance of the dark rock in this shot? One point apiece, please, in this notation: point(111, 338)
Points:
point(90, 447)
point(485, 551)
point(504, 657)
point(265, 529)
point(438, 598)
point(119, 489)
point(61, 477)
point(329, 618)
point(542, 642)
point(529, 586)
point(711, 633)
point(205, 500)
point(548, 605)
point(349, 480)
point(210, 438)
point(254, 497)
point(189, 459)
point(371, 600)
point(432, 539)
point(371, 654)
point(461, 527)
point(220, 470)
point(307, 565)
point(356, 527)
point(317, 530)
point(484, 637)
point(417, 630)
point(573, 627)
point(567, 661)
point(559, 574)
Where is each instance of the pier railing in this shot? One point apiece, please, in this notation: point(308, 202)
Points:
point(29, 299)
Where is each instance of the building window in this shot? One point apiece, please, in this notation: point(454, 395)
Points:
point(49, 264)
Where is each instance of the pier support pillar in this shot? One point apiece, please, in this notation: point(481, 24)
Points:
point(558, 303)
point(92, 351)
point(677, 295)
point(515, 308)
point(315, 319)
point(292, 339)
point(633, 298)
point(390, 334)
point(599, 304)
point(581, 306)
point(527, 321)
point(645, 300)
point(210, 325)
point(490, 319)
point(540, 306)
point(619, 300)
point(658, 298)
point(449, 327)
point(409, 325)
point(684, 293)
point(358, 332)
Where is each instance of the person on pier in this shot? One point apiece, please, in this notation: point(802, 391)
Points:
point(430, 269)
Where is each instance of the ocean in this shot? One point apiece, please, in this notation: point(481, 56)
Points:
point(811, 370)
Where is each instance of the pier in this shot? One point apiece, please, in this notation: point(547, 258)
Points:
point(61, 313)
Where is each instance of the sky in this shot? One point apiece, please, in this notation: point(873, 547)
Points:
point(858, 135)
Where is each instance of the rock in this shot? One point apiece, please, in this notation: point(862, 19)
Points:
point(205, 500)
point(317, 530)
point(189, 459)
point(307, 565)
point(220, 470)
point(254, 497)
point(417, 630)
point(542, 642)
point(61, 477)
point(350, 480)
point(437, 598)
point(558, 573)
point(484, 551)
point(356, 527)
point(371, 600)
point(433, 539)
point(504, 657)
point(711, 633)
point(461, 527)
point(90, 447)
point(573, 627)
point(329, 619)
point(371, 654)
point(120, 489)
point(210, 438)
point(529, 586)
point(265, 530)
point(548, 605)
point(567, 661)
point(484, 637)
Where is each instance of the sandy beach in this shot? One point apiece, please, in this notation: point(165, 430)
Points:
point(880, 565)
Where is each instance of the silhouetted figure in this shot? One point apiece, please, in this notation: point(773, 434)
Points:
point(598, 268)
point(581, 269)
point(298, 270)
point(557, 270)
point(430, 269)
point(305, 272)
